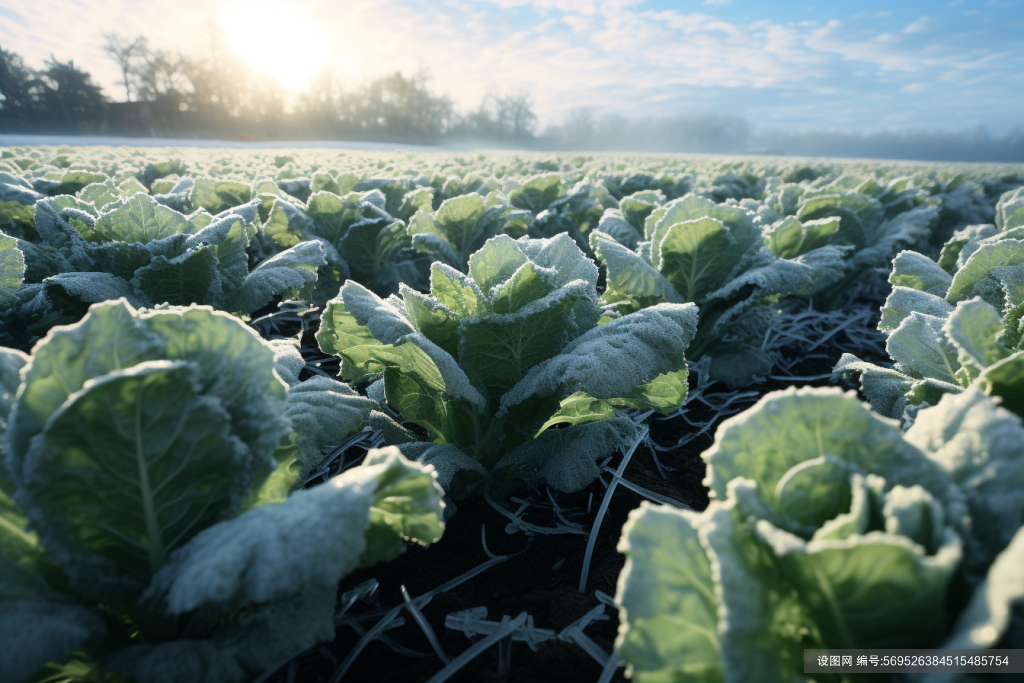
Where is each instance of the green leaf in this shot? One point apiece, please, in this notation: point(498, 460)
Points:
point(565, 458)
point(414, 201)
point(1010, 210)
point(237, 367)
point(332, 216)
point(102, 194)
point(286, 225)
point(818, 233)
point(917, 271)
point(922, 350)
point(1005, 379)
point(216, 195)
point(903, 301)
point(975, 328)
point(976, 277)
point(72, 293)
point(122, 259)
point(384, 319)
point(617, 360)
point(360, 516)
point(11, 363)
point(496, 262)
point(407, 506)
point(630, 275)
point(884, 388)
point(860, 216)
point(666, 597)
point(145, 462)
point(841, 585)
point(435, 320)
point(501, 348)
point(369, 244)
point(17, 208)
point(664, 393)
point(766, 627)
point(790, 238)
point(186, 279)
point(988, 615)
point(131, 186)
point(695, 256)
point(294, 268)
point(525, 286)
point(562, 255)
point(140, 219)
point(635, 208)
point(12, 271)
point(109, 338)
point(813, 492)
point(456, 291)
point(614, 226)
point(787, 428)
point(579, 408)
point(538, 192)
point(458, 220)
point(341, 335)
point(323, 412)
point(952, 255)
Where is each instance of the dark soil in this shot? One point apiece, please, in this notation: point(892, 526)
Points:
point(541, 575)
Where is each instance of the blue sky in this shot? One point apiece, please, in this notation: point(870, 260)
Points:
point(855, 66)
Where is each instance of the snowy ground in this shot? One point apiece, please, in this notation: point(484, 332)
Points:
point(97, 140)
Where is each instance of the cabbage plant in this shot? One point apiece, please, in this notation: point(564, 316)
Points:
point(361, 240)
point(149, 254)
point(876, 220)
point(715, 256)
point(461, 226)
point(577, 213)
point(948, 330)
point(506, 368)
point(829, 528)
point(145, 526)
point(17, 206)
point(12, 271)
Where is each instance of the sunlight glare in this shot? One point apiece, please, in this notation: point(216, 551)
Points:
point(276, 38)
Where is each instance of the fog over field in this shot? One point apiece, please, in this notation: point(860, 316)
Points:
point(917, 80)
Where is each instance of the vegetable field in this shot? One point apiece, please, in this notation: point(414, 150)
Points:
point(350, 416)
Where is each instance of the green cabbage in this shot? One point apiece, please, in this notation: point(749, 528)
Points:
point(490, 363)
point(714, 255)
point(148, 458)
point(828, 529)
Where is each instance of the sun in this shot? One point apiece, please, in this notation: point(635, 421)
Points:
point(278, 39)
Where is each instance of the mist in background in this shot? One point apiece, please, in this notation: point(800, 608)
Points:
point(723, 134)
point(919, 81)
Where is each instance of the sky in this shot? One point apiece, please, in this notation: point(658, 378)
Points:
point(861, 66)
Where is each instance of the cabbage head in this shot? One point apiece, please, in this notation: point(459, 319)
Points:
point(950, 324)
point(507, 369)
point(829, 528)
point(146, 523)
point(716, 256)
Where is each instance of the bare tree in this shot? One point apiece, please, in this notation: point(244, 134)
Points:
point(514, 114)
point(125, 54)
point(159, 74)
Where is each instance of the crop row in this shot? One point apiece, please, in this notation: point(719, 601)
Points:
point(498, 320)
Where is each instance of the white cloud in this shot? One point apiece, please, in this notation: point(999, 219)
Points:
point(918, 26)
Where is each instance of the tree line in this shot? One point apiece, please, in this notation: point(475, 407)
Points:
point(218, 95)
